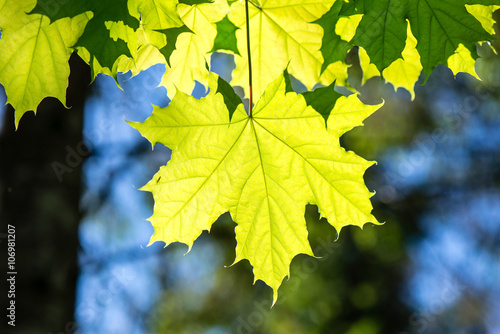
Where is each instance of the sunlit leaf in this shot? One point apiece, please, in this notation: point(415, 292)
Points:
point(403, 72)
point(189, 60)
point(34, 55)
point(281, 32)
point(263, 169)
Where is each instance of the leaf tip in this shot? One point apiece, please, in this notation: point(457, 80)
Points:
point(275, 297)
point(18, 114)
point(190, 246)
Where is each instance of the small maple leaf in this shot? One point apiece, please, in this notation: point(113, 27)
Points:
point(35, 54)
point(263, 169)
point(282, 32)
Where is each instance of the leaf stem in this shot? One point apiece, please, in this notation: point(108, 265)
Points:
point(250, 103)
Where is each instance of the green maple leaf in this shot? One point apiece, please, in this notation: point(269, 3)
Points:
point(323, 100)
point(406, 71)
point(440, 26)
point(333, 47)
point(226, 36)
point(263, 169)
point(444, 32)
point(382, 31)
point(445, 38)
point(56, 10)
point(35, 54)
point(403, 72)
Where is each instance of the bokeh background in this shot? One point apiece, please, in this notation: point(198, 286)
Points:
point(69, 182)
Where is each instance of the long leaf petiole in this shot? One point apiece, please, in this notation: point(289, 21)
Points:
point(250, 102)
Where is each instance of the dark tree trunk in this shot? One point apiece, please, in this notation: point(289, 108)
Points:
point(39, 195)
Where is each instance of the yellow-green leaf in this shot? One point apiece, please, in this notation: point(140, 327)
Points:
point(34, 54)
point(280, 33)
point(189, 60)
point(462, 61)
point(263, 169)
point(156, 15)
point(369, 69)
point(484, 14)
point(405, 72)
point(402, 73)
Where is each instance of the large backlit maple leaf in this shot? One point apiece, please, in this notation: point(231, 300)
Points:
point(263, 169)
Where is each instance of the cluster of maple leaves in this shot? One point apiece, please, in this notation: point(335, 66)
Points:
point(264, 167)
